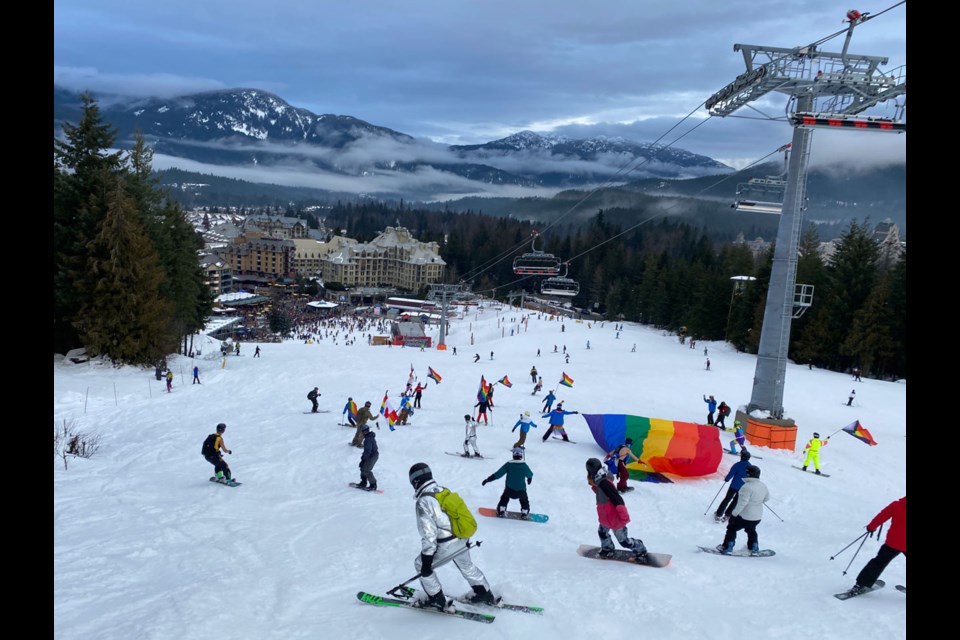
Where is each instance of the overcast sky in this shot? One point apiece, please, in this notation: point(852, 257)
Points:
point(463, 72)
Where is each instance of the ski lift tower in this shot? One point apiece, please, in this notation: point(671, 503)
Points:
point(826, 90)
point(445, 293)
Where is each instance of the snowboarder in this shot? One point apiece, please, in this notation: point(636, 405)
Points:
point(548, 402)
point(418, 393)
point(620, 454)
point(566, 358)
point(476, 358)
point(612, 513)
point(853, 393)
point(470, 436)
point(556, 422)
point(588, 344)
point(856, 374)
point(538, 387)
point(256, 352)
point(738, 436)
point(312, 397)
point(482, 406)
point(813, 451)
point(237, 349)
point(196, 375)
point(363, 416)
point(735, 477)
point(711, 407)
point(707, 365)
point(524, 423)
point(368, 459)
point(348, 410)
point(723, 410)
point(747, 514)
point(516, 471)
point(211, 451)
point(454, 351)
point(491, 355)
point(894, 545)
point(169, 381)
point(634, 349)
point(533, 374)
point(438, 544)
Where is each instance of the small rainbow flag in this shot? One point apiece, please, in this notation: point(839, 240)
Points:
point(505, 382)
point(387, 411)
point(857, 431)
point(483, 395)
point(567, 381)
point(433, 375)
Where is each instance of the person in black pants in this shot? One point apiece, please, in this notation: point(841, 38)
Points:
point(735, 476)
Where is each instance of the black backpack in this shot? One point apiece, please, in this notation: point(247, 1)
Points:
point(208, 446)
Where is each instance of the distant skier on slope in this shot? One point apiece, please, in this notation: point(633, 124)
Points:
point(211, 452)
point(470, 436)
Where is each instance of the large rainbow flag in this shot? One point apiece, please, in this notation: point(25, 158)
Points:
point(667, 446)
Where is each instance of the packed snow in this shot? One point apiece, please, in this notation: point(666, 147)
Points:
point(146, 547)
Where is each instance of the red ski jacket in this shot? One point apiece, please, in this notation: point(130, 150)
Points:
point(897, 535)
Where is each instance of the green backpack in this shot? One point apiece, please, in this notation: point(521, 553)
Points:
point(462, 521)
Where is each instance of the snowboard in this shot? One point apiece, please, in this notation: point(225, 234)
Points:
point(752, 456)
point(317, 411)
point(740, 553)
point(232, 483)
point(561, 440)
point(460, 455)
point(825, 475)
point(627, 490)
point(380, 601)
point(879, 584)
point(657, 560)
point(357, 486)
point(901, 588)
point(513, 515)
point(409, 592)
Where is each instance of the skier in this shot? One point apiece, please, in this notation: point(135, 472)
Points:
point(853, 394)
point(363, 416)
point(256, 352)
point(348, 410)
point(894, 545)
point(567, 358)
point(482, 410)
point(747, 514)
point(708, 365)
point(418, 394)
point(237, 348)
point(588, 344)
point(169, 381)
point(711, 407)
point(612, 513)
point(516, 471)
point(438, 544)
point(476, 358)
point(491, 355)
point(533, 374)
point(196, 375)
point(556, 422)
point(735, 477)
point(634, 349)
point(524, 423)
point(211, 451)
point(312, 397)
point(813, 451)
point(470, 437)
point(620, 454)
point(856, 374)
point(368, 459)
point(723, 410)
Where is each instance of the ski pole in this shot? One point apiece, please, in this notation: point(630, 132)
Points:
point(400, 591)
point(715, 497)
point(773, 512)
point(863, 535)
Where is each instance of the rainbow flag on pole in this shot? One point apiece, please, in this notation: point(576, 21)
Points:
point(387, 411)
point(857, 431)
point(433, 375)
point(567, 381)
point(505, 382)
point(483, 395)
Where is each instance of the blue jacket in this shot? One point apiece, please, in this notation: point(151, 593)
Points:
point(556, 416)
point(524, 426)
point(737, 473)
point(711, 405)
point(549, 399)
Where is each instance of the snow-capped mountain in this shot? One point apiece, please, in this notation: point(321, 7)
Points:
point(254, 128)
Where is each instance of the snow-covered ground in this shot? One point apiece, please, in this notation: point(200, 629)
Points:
point(145, 547)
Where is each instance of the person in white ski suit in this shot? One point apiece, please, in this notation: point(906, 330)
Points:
point(438, 545)
point(470, 437)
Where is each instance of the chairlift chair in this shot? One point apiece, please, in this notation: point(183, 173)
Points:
point(536, 263)
point(560, 285)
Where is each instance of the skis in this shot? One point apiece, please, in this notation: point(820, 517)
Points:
point(380, 601)
point(901, 588)
point(357, 486)
point(846, 595)
point(742, 553)
point(231, 483)
point(657, 560)
point(318, 411)
point(409, 592)
point(560, 440)
point(513, 515)
point(460, 455)
point(825, 475)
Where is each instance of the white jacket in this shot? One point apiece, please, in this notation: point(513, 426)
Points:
point(471, 429)
point(750, 499)
point(432, 521)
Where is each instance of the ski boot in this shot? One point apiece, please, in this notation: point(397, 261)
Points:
point(803, 468)
point(501, 512)
point(362, 485)
point(438, 602)
point(524, 514)
point(639, 552)
point(466, 454)
point(372, 487)
point(719, 517)
point(818, 471)
point(480, 595)
point(725, 549)
point(857, 589)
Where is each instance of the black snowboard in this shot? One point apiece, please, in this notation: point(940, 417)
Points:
point(846, 595)
point(657, 560)
point(824, 475)
point(740, 553)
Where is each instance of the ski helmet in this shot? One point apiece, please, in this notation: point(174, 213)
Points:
point(628, 442)
point(753, 471)
point(367, 403)
point(744, 455)
point(221, 428)
point(816, 435)
point(365, 427)
point(419, 474)
point(526, 414)
point(518, 453)
point(737, 425)
point(466, 417)
point(594, 466)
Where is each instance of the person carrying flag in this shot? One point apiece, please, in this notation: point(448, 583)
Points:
point(363, 416)
point(418, 392)
point(482, 405)
point(556, 422)
point(813, 451)
point(350, 410)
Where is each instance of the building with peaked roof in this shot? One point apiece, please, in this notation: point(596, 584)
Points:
point(269, 259)
point(392, 259)
point(309, 253)
point(216, 273)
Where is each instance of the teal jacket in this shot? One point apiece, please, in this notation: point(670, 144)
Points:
point(516, 471)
